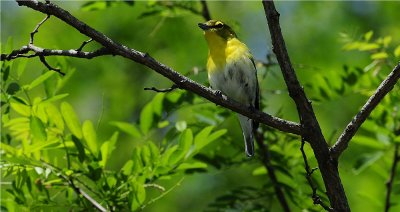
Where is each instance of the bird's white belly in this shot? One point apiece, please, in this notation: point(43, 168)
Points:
point(238, 81)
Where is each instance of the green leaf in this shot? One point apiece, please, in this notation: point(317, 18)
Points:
point(155, 152)
point(21, 109)
point(79, 146)
point(71, 119)
point(397, 51)
point(195, 165)
point(379, 56)
point(56, 98)
point(181, 126)
point(128, 128)
point(200, 140)
point(368, 46)
point(368, 35)
point(146, 118)
point(387, 40)
point(368, 142)
point(39, 80)
point(259, 171)
point(157, 103)
point(55, 116)
point(21, 67)
point(127, 168)
point(38, 129)
point(95, 5)
point(139, 195)
point(365, 161)
point(89, 134)
point(104, 149)
point(146, 155)
point(185, 142)
point(13, 88)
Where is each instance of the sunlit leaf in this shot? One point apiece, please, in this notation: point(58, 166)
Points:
point(195, 165)
point(21, 109)
point(71, 119)
point(38, 129)
point(55, 116)
point(368, 35)
point(89, 133)
point(379, 56)
point(128, 128)
point(39, 80)
point(259, 171)
point(397, 51)
point(127, 168)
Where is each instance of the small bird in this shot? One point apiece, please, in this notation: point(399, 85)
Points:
point(231, 70)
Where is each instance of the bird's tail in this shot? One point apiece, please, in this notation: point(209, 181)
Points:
point(247, 128)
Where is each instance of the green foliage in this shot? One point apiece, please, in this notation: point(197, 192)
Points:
point(166, 141)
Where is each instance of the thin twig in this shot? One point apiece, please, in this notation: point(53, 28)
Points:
point(43, 60)
point(37, 28)
point(84, 44)
point(266, 160)
point(204, 11)
point(165, 90)
point(384, 88)
point(389, 183)
point(316, 199)
point(77, 190)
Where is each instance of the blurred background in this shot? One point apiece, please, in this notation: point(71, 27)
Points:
point(111, 88)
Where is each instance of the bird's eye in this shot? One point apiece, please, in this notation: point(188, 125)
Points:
point(219, 25)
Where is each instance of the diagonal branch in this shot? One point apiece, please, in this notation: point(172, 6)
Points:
point(385, 87)
point(204, 10)
point(145, 59)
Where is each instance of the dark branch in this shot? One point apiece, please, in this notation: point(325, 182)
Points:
point(389, 183)
point(351, 129)
point(37, 52)
point(143, 58)
point(37, 28)
point(84, 44)
point(266, 160)
point(204, 11)
point(43, 60)
point(173, 87)
point(311, 130)
point(316, 199)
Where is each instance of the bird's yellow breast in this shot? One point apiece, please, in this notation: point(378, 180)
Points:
point(223, 51)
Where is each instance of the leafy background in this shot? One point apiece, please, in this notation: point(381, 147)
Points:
point(174, 152)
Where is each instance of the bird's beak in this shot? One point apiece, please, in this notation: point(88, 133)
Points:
point(203, 26)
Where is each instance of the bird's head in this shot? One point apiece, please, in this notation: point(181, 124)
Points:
point(218, 28)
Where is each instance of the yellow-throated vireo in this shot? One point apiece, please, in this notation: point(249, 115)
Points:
point(231, 70)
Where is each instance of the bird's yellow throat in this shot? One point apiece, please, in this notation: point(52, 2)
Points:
point(222, 51)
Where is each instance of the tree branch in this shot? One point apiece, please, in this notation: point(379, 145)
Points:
point(204, 11)
point(311, 130)
point(266, 160)
point(77, 190)
point(389, 183)
point(145, 59)
point(316, 199)
point(38, 51)
point(385, 87)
